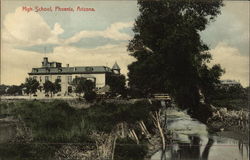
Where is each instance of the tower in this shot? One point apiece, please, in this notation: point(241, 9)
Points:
point(116, 69)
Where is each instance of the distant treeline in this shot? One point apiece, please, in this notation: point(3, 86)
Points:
point(233, 97)
point(11, 89)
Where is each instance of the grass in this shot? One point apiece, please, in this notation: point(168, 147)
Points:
point(58, 122)
point(127, 150)
point(27, 151)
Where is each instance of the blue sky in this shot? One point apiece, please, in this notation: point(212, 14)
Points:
point(101, 37)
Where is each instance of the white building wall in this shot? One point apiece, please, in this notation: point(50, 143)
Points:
point(99, 78)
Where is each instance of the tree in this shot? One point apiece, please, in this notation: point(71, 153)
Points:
point(83, 85)
point(171, 57)
point(31, 85)
point(78, 84)
point(57, 86)
point(117, 84)
point(14, 90)
point(52, 88)
point(49, 87)
point(3, 89)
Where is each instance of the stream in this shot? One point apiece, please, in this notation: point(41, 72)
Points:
point(193, 142)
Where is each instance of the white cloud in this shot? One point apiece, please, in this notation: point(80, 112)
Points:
point(25, 29)
point(235, 64)
point(57, 29)
point(112, 32)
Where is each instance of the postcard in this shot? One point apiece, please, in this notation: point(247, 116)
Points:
point(119, 80)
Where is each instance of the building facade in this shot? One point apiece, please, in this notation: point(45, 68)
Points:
point(50, 71)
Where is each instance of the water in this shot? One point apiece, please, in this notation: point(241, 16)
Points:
point(193, 142)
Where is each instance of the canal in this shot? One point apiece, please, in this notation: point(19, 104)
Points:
point(192, 141)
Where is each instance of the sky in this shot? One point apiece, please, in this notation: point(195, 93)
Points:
point(101, 37)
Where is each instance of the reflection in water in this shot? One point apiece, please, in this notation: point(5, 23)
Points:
point(207, 148)
point(192, 151)
point(193, 142)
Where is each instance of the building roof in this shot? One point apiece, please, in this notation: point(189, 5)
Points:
point(70, 70)
point(116, 66)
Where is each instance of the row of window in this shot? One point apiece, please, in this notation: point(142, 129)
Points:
point(88, 69)
point(69, 78)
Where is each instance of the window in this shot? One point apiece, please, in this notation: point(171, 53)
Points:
point(46, 78)
point(40, 79)
point(69, 79)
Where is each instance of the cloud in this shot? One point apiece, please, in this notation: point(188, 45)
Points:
point(26, 29)
point(231, 27)
point(235, 64)
point(57, 29)
point(112, 32)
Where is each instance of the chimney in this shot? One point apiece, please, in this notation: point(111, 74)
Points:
point(67, 65)
point(45, 61)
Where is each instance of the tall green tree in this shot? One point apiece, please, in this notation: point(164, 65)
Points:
point(52, 88)
point(117, 84)
point(49, 88)
point(83, 85)
point(171, 57)
point(31, 85)
point(57, 86)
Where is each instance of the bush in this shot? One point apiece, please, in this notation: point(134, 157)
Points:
point(90, 96)
point(106, 115)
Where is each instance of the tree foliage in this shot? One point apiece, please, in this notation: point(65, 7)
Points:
point(31, 85)
point(52, 88)
point(11, 90)
point(83, 85)
point(171, 57)
point(48, 87)
point(57, 86)
point(117, 84)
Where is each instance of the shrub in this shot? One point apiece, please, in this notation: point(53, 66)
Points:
point(90, 96)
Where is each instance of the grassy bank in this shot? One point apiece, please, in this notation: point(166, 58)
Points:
point(58, 122)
